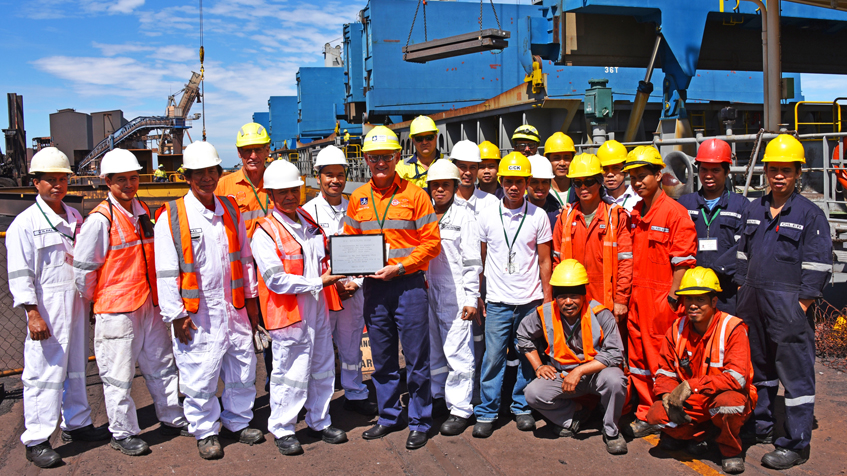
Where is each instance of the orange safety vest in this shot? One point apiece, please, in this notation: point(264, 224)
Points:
point(713, 364)
point(610, 247)
point(181, 233)
point(280, 310)
point(561, 355)
point(129, 274)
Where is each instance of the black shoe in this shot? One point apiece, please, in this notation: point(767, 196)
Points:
point(697, 448)
point(330, 434)
point(289, 445)
point(439, 407)
point(525, 422)
point(454, 425)
point(362, 407)
point(560, 431)
point(87, 433)
point(615, 445)
point(483, 429)
point(247, 435)
point(378, 431)
point(783, 458)
point(43, 455)
point(167, 430)
point(210, 448)
point(130, 446)
point(640, 428)
point(669, 443)
point(752, 438)
point(580, 417)
point(416, 439)
point(734, 465)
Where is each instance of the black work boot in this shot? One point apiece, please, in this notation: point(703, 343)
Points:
point(330, 434)
point(640, 428)
point(615, 445)
point(43, 455)
point(669, 443)
point(247, 435)
point(783, 458)
point(167, 430)
point(483, 429)
point(130, 446)
point(734, 465)
point(454, 425)
point(525, 422)
point(289, 445)
point(362, 407)
point(87, 433)
point(210, 448)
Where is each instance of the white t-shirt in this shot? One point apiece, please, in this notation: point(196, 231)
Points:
point(627, 200)
point(523, 285)
point(479, 201)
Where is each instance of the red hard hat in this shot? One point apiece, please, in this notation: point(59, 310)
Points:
point(714, 151)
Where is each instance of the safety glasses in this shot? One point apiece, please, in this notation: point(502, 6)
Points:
point(525, 145)
point(375, 159)
point(587, 183)
point(425, 138)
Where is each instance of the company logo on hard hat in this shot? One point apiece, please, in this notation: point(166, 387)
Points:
point(379, 138)
point(514, 167)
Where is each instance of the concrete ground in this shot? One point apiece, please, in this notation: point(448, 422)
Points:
point(508, 451)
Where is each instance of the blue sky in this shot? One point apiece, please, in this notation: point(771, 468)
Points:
point(94, 55)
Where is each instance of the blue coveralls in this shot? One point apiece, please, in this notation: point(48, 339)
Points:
point(780, 261)
point(723, 231)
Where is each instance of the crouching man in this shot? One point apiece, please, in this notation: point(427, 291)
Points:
point(705, 366)
point(584, 353)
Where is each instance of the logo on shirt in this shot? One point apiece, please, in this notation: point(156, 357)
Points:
point(196, 233)
point(731, 214)
point(447, 226)
point(313, 230)
point(395, 202)
point(241, 195)
point(43, 231)
point(658, 228)
point(363, 201)
point(792, 225)
point(753, 222)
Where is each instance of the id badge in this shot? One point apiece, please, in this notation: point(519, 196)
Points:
point(708, 244)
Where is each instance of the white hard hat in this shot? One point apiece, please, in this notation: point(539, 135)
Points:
point(282, 174)
point(118, 161)
point(200, 155)
point(443, 169)
point(50, 159)
point(541, 167)
point(465, 151)
point(330, 155)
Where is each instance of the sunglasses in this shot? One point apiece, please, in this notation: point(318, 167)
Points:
point(425, 138)
point(588, 183)
point(526, 146)
point(375, 159)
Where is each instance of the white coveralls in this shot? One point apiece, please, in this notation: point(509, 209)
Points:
point(347, 324)
point(41, 274)
point(222, 345)
point(453, 278)
point(122, 340)
point(304, 362)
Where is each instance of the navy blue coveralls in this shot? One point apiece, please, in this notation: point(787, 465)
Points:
point(717, 240)
point(780, 261)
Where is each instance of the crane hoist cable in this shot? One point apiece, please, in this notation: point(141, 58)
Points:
point(202, 98)
point(426, 38)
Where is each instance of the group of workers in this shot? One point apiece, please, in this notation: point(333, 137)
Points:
point(594, 293)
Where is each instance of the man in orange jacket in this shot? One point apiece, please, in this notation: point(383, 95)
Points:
point(395, 296)
point(597, 235)
point(664, 243)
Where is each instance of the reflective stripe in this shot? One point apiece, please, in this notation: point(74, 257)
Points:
point(557, 254)
point(190, 294)
point(193, 393)
point(665, 373)
point(462, 376)
point(323, 375)
point(680, 259)
point(513, 363)
point(236, 283)
point(400, 252)
point(478, 338)
point(727, 410)
point(737, 376)
point(741, 255)
point(76, 375)
point(240, 384)
point(816, 266)
point(44, 385)
point(252, 215)
point(353, 367)
point(721, 346)
point(439, 371)
point(389, 225)
point(793, 402)
point(268, 274)
point(289, 382)
point(352, 223)
point(625, 255)
point(116, 383)
point(160, 375)
point(176, 234)
point(83, 265)
point(25, 273)
point(637, 371)
point(125, 245)
point(235, 256)
point(168, 273)
point(767, 383)
point(547, 309)
point(472, 262)
point(426, 220)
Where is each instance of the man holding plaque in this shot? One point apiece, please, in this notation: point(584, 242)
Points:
point(395, 296)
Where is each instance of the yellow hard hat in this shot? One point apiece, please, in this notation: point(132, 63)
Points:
point(584, 165)
point(699, 280)
point(611, 152)
point(643, 155)
point(487, 150)
point(381, 138)
point(558, 142)
point(252, 134)
point(421, 125)
point(569, 273)
point(526, 132)
point(515, 164)
point(785, 148)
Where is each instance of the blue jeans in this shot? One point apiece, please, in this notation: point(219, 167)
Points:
point(501, 325)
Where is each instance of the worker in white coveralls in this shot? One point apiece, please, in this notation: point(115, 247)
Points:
point(290, 254)
point(39, 249)
point(207, 291)
point(328, 209)
point(114, 267)
point(453, 278)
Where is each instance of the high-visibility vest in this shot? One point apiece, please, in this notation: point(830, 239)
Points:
point(129, 274)
point(181, 233)
point(610, 247)
point(561, 355)
point(713, 363)
point(281, 310)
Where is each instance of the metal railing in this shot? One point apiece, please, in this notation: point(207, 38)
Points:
point(836, 115)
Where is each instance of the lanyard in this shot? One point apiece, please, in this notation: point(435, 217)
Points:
point(445, 214)
point(708, 220)
point(267, 198)
point(72, 238)
point(625, 198)
point(506, 236)
point(376, 212)
point(559, 197)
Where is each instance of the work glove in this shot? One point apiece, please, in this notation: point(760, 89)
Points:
point(261, 339)
point(673, 403)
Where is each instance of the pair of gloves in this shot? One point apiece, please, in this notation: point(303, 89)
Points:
point(261, 339)
point(673, 403)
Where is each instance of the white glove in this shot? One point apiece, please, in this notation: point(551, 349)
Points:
point(261, 339)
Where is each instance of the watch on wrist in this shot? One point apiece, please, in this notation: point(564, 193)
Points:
point(402, 269)
point(673, 301)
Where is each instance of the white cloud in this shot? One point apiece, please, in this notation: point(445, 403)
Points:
point(823, 87)
point(112, 7)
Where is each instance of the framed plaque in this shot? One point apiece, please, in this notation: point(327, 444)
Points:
point(357, 255)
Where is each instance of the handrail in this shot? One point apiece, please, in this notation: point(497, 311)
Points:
point(836, 115)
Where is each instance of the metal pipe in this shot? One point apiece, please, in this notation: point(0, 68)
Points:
point(774, 67)
point(641, 97)
point(752, 165)
point(652, 62)
point(765, 91)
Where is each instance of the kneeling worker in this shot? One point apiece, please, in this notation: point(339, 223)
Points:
point(584, 355)
point(705, 366)
point(290, 252)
